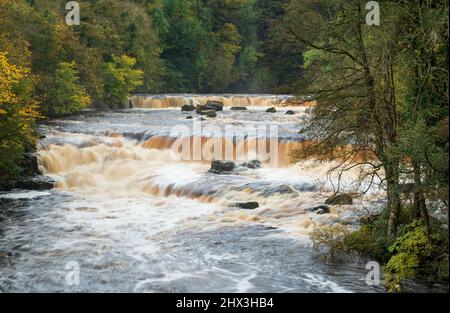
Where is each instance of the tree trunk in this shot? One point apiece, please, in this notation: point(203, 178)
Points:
point(419, 200)
point(393, 196)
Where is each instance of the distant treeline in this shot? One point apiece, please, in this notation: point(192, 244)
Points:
point(202, 46)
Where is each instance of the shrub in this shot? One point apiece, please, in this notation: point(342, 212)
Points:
point(370, 239)
point(409, 249)
point(436, 269)
point(332, 237)
point(361, 240)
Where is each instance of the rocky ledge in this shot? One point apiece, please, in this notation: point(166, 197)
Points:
point(30, 177)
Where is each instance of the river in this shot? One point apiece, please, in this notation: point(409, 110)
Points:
point(135, 217)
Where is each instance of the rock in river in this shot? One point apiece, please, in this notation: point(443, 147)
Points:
point(215, 105)
point(188, 107)
point(210, 105)
point(222, 167)
point(209, 113)
point(271, 110)
point(321, 209)
point(39, 182)
point(254, 164)
point(247, 205)
point(238, 108)
point(341, 199)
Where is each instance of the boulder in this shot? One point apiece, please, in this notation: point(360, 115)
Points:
point(290, 112)
point(189, 117)
point(341, 199)
point(210, 113)
point(252, 164)
point(188, 108)
point(271, 110)
point(39, 182)
point(321, 209)
point(215, 105)
point(210, 105)
point(238, 108)
point(247, 205)
point(222, 167)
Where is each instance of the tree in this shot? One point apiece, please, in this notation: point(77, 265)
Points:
point(189, 44)
point(123, 27)
point(351, 74)
point(220, 73)
point(121, 78)
point(423, 134)
point(66, 96)
point(18, 113)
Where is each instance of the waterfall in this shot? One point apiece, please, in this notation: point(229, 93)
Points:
point(229, 100)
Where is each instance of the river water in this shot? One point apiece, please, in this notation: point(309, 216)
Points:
point(129, 216)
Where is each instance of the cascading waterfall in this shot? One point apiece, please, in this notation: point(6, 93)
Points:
point(123, 162)
point(137, 217)
point(229, 100)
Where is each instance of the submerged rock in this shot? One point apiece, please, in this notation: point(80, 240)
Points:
point(290, 112)
point(248, 205)
point(254, 164)
point(321, 209)
point(271, 110)
point(238, 108)
point(188, 108)
point(281, 189)
point(189, 117)
point(341, 199)
point(222, 167)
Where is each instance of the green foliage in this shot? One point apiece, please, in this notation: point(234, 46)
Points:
point(362, 240)
point(121, 78)
point(66, 96)
point(384, 90)
point(406, 255)
point(409, 249)
point(436, 267)
point(313, 56)
point(221, 73)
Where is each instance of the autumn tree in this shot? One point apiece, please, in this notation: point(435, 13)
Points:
point(18, 113)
